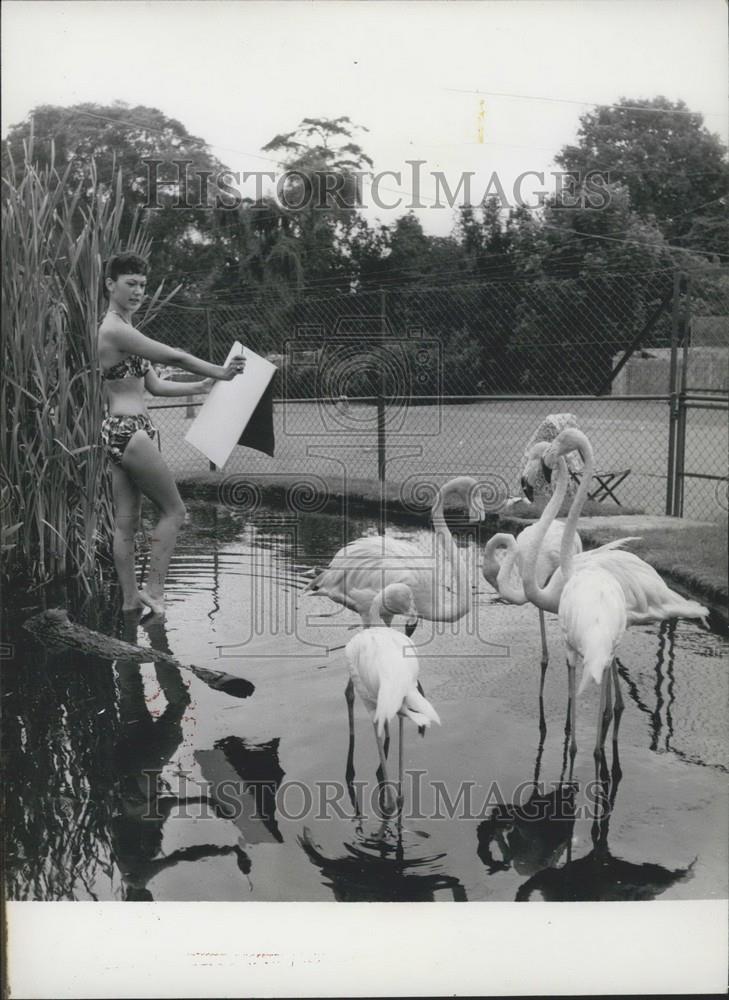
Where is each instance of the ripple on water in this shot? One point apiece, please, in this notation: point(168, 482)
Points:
point(235, 585)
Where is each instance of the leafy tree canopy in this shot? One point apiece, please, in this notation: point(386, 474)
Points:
point(118, 136)
point(674, 168)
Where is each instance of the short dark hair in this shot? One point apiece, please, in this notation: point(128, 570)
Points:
point(125, 263)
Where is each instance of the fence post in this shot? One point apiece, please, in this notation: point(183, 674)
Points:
point(673, 398)
point(213, 466)
point(210, 335)
point(682, 409)
point(381, 432)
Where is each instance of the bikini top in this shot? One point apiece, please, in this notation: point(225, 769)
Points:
point(134, 365)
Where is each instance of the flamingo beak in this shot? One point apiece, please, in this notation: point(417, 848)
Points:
point(411, 619)
point(546, 472)
point(476, 509)
point(527, 489)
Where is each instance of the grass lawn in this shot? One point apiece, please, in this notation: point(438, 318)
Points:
point(485, 440)
point(694, 554)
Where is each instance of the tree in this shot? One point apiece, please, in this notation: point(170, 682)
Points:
point(366, 248)
point(599, 274)
point(485, 239)
point(167, 194)
point(320, 192)
point(674, 169)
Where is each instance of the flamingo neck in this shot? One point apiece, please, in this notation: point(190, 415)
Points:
point(567, 550)
point(437, 514)
point(505, 577)
point(447, 553)
point(371, 616)
point(374, 615)
point(547, 597)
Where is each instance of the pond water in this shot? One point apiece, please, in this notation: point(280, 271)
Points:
point(141, 782)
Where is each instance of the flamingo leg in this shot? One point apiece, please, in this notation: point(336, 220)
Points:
point(573, 715)
point(567, 730)
point(619, 703)
point(542, 717)
point(545, 648)
point(564, 758)
point(544, 664)
point(349, 698)
point(349, 771)
point(616, 773)
point(603, 714)
point(390, 806)
point(421, 729)
point(538, 761)
point(399, 766)
point(599, 740)
point(601, 800)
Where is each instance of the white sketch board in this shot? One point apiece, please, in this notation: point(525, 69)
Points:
point(229, 406)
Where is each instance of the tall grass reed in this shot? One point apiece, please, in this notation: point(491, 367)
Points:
point(55, 500)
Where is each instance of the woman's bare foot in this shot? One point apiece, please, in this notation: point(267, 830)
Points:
point(133, 603)
point(152, 601)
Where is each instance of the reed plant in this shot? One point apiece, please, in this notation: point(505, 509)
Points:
point(55, 504)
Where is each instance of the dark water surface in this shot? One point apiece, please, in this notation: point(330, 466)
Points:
point(140, 782)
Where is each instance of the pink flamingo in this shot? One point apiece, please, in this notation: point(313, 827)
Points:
point(598, 594)
point(647, 596)
point(503, 560)
point(384, 669)
point(437, 576)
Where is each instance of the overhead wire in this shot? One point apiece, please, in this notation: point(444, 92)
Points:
point(596, 104)
point(337, 279)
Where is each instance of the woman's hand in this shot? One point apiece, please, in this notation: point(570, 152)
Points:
point(235, 367)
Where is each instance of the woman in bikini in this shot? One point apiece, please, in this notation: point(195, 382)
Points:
point(137, 466)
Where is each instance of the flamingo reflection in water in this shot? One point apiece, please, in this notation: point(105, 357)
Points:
point(534, 835)
point(376, 870)
point(146, 746)
point(599, 875)
point(531, 834)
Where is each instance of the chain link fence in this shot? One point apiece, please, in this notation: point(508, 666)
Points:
point(700, 397)
point(438, 382)
point(544, 336)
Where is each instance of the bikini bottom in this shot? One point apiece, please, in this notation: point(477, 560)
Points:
point(116, 433)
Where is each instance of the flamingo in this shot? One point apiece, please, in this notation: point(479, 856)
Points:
point(647, 597)
point(503, 558)
point(593, 617)
point(438, 579)
point(384, 671)
point(598, 593)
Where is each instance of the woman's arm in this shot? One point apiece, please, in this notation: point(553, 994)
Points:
point(167, 387)
point(124, 337)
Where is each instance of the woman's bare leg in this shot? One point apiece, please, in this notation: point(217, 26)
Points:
point(127, 508)
point(147, 469)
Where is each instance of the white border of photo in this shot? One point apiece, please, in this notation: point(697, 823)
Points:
point(86, 950)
